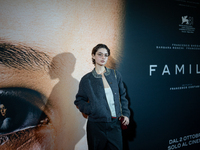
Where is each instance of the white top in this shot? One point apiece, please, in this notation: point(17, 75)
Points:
point(110, 100)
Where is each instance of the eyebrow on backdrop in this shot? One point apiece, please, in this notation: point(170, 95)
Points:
point(23, 57)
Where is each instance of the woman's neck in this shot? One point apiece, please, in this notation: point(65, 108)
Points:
point(100, 69)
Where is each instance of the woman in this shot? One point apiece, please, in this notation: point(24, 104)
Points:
point(101, 96)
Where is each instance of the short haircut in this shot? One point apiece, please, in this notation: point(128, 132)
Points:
point(96, 48)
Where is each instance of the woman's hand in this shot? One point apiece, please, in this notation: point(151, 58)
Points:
point(126, 120)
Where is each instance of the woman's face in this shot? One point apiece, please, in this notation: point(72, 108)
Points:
point(2, 110)
point(45, 50)
point(101, 57)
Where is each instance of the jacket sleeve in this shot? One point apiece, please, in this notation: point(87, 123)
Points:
point(122, 93)
point(82, 100)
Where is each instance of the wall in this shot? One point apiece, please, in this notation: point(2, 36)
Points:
point(161, 70)
point(45, 49)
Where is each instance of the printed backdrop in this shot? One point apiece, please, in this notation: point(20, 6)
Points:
point(45, 49)
point(161, 69)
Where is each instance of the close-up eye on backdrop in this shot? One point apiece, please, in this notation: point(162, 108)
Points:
point(45, 50)
point(48, 46)
point(20, 109)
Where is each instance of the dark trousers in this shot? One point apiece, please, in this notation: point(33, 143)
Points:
point(104, 135)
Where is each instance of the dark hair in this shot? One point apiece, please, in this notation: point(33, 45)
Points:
point(97, 47)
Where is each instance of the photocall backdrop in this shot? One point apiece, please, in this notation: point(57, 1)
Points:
point(161, 70)
point(45, 49)
point(159, 63)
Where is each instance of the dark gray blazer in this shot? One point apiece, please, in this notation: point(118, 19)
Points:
point(91, 98)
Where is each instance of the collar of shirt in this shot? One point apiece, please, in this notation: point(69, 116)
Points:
point(99, 75)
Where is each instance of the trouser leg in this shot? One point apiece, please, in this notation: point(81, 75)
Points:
point(114, 136)
point(96, 136)
point(104, 136)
